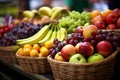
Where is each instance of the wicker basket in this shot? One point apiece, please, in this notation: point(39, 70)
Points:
point(102, 70)
point(7, 55)
point(34, 64)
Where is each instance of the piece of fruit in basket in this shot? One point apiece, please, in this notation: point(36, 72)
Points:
point(59, 57)
point(95, 58)
point(104, 48)
point(48, 44)
point(77, 58)
point(36, 47)
point(86, 48)
point(44, 51)
point(90, 31)
point(20, 51)
point(67, 51)
point(95, 13)
point(34, 53)
point(27, 46)
point(26, 52)
point(111, 27)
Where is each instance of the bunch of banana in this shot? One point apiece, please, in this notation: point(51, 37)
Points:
point(35, 38)
point(48, 32)
point(56, 32)
point(53, 13)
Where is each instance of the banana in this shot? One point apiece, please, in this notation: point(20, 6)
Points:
point(63, 34)
point(35, 38)
point(58, 13)
point(54, 34)
point(56, 8)
point(47, 37)
point(58, 33)
point(45, 10)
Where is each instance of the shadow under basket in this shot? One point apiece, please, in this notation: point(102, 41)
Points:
point(7, 55)
point(102, 70)
point(34, 64)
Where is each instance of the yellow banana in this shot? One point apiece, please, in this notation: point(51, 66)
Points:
point(35, 38)
point(63, 34)
point(45, 10)
point(47, 37)
point(54, 34)
point(56, 8)
point(58, 33)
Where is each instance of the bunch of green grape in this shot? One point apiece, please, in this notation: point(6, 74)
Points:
point(75, 19)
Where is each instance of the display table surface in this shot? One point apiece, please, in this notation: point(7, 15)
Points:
point(15, 72)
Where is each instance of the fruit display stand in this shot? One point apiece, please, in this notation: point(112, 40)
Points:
point(91, 71)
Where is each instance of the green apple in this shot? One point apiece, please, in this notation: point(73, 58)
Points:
point(95, 58)
point(77, 58)
point(58, 57)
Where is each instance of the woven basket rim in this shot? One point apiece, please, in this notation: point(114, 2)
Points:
point(85, 64)
point(8, 48)
point(27, 57)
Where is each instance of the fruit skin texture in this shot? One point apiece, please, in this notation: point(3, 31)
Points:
point(104, 48)
point(86, 49)
point(58, 57)
point(88, 31)
point(77, 58)
point(67, 51)
point(111, 26)
point(95, 58)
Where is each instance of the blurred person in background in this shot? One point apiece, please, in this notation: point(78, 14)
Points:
point(47, 3)
point(78, 5)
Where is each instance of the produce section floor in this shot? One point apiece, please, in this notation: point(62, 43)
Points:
point(14, 72)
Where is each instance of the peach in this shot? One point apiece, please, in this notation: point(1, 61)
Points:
point(90, 31)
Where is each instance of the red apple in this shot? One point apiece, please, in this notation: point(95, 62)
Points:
point(79, 30)
point(97, 18)
point(118, 23)
point(6, 29)
point(104, 48)
point(86, 49)
point(58, 57)
point(111, 26)
point(111, 18)
point(100, 25)
point(90, 31)
point(116, 11)
point(77, 47)
point(67, 51)
point(11, 26)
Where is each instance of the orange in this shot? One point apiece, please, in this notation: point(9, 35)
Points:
point(49, 44)
point(36, 47)
point(34, 53)
point(26, 51)
point(95, 13)
point(106, 12)
point(27, 46)
point(20, 51)
point(44, 51)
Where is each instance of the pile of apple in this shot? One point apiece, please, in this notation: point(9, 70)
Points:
point(109, 19)
point(4, 29)
point(85, 45)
